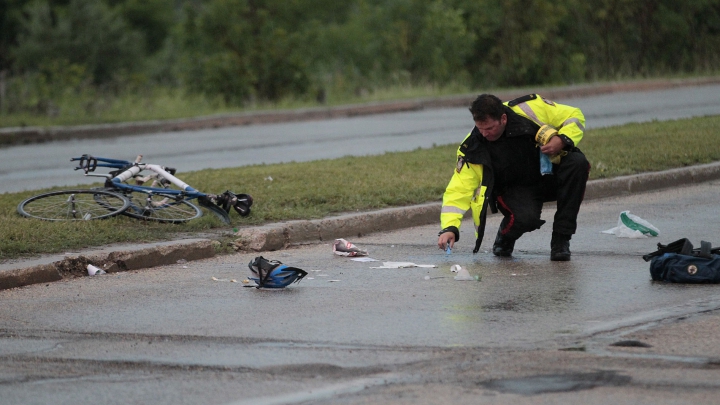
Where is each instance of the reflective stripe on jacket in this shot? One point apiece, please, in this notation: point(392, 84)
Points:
point(465, 191)
point(470, 186)
point(569, 121)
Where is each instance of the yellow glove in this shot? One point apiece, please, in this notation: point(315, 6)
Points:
point(543, 136)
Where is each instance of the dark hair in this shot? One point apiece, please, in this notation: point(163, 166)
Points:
point(487, 106)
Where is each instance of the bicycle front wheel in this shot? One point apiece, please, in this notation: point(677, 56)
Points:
point(73, 205)
point(160, 208)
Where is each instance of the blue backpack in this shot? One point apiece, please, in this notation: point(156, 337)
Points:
point(678, 262)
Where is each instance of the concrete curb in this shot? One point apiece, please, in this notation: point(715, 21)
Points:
point(110, 259)
point(29, 135)
point(280, 235)
point(652, 181)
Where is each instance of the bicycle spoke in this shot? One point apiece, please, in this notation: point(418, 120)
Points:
point(161, 208)
point(73, 205)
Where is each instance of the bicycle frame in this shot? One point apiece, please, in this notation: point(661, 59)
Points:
point(131, 170)
point(89, 163)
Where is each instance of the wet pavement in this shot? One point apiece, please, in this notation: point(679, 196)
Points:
point(592, 330)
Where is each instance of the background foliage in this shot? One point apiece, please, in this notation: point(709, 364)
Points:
point(80, 56)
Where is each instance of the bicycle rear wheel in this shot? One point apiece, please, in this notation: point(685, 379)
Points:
point(73, 205)
point(215, 209)
point(160, 208)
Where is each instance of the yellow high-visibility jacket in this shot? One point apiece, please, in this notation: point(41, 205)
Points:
point(471, 185)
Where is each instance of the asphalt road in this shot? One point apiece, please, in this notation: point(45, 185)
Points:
point(531, 331)
point(37, 166)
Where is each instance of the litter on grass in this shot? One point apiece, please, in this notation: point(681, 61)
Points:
point(632, 226)
point(341, 247)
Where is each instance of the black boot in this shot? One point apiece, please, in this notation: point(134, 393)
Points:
point(503, 246)
point(560, 247)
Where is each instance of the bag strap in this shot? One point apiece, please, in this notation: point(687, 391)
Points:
point(682, 246)
point(705, 250)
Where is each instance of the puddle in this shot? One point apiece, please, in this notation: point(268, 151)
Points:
point(542, 384)
point(630, 343)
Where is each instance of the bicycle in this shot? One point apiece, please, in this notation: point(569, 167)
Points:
point(153, 202)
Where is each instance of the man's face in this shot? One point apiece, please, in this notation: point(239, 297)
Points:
point(491, 129)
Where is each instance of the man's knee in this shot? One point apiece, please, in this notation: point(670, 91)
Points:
point(574, 170)
point(523, 224)
point(575, 161)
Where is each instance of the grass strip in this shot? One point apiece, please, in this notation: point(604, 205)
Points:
point(317, 189)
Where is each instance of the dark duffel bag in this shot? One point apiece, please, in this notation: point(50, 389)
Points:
point(678, 262)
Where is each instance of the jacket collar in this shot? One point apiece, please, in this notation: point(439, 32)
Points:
point(518, 125)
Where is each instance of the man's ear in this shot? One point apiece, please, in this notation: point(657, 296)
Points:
point(503, 119)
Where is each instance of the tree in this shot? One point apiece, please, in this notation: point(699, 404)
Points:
point(154, 18)
point(10, 16)
point(246, 49)
point(85, 32)
point(519, 42)
point(686, 36)
point(444, 44)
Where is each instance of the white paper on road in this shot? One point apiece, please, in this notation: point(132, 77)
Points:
point(364, 259)
point(402, 265)
point(227, 280)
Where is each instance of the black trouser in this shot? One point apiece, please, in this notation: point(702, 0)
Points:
point(521, 206)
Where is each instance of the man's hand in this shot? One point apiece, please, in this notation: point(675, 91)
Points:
point(553, 147)
point(444, 239)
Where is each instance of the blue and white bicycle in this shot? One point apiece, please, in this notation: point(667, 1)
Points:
point(151, 198)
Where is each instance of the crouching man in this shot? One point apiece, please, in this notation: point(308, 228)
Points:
point(519, 155)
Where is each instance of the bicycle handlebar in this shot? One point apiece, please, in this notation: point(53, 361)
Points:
point(89, 163)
